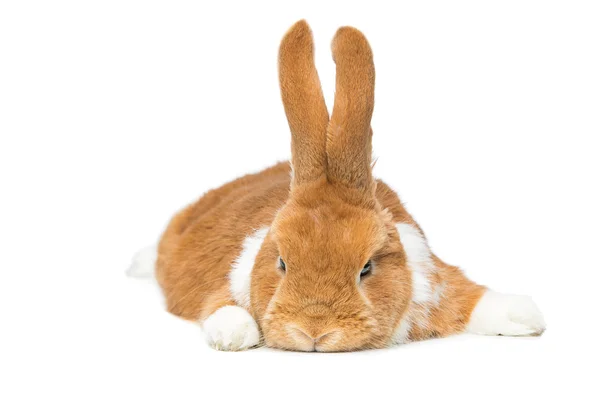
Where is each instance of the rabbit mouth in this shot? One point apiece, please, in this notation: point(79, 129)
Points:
point(309, 334)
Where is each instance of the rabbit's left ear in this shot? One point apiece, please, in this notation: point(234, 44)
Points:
point(349, 132)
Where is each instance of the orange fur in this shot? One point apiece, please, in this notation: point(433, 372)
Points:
point(326, 223)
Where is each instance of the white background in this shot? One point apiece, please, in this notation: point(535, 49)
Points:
point(115, 114)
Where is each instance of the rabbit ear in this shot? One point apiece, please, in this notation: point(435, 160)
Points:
point(349, 132)
point(304, 104)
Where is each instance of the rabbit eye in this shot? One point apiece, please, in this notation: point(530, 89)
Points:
point(366, 269)
point(281, 264)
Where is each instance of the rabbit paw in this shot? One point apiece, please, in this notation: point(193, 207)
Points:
point(506, 315)
point(231, 328)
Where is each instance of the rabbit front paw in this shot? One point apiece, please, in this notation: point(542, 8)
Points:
point(231, 328)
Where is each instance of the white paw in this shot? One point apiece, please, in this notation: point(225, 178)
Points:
point(506, 315)
point(231, 328)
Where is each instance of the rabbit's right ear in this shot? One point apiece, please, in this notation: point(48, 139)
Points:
point(349, 135)
point(304, 104)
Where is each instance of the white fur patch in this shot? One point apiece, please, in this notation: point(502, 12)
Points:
point(144, 263)
point(419, 261)
point(231, 328)
point(506, 315)
point(241, 270)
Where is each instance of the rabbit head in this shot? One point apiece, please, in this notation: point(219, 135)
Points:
point(331, 275)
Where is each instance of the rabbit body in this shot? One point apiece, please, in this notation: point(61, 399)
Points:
point(317, 255)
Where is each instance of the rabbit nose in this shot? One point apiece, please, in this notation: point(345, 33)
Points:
point(315, 336)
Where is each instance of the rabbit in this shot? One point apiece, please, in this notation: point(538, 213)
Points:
point(316, 255)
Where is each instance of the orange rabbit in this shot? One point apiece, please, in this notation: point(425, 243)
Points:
point(319, 256)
